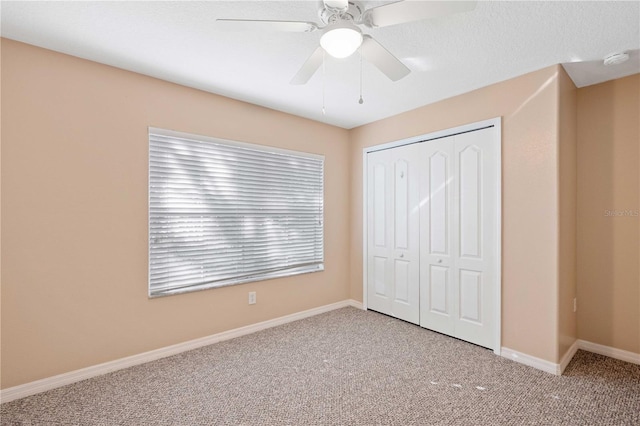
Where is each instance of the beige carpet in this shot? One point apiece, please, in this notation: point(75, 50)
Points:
point(346, 367)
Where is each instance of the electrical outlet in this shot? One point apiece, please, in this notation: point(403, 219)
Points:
point(252, 297)
point(575, 304)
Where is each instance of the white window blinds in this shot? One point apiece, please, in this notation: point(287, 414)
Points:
point(223, 212)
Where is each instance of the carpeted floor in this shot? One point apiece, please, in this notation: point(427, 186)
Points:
point(346, 367)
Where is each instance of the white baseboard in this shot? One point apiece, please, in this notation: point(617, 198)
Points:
point(531, 361)
point(620, 354)
point(558, 369)
point(355, 304)
point(49, 383)
point(566, 359)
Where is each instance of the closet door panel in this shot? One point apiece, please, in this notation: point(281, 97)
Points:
point(438, 297)
point(406, 223)
point(379, 276)
point(379, 268)
point(392, 234)
point(401, 205)
point(401, 281)
point(470, 296)
point(439, 203)
point(470, 182)
point(476, 163)
point(379, 205)
point(436, 202)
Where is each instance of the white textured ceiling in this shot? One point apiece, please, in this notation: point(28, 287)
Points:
point(179, 42)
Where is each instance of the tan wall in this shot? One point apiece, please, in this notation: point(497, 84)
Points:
point(608, 247)
point(567, 319)
point(74, 228)
point(529, 107)
point(74, 231)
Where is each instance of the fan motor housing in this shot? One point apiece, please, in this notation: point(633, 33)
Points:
point(354, 11)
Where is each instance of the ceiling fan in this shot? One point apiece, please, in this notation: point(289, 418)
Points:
point(342, 35)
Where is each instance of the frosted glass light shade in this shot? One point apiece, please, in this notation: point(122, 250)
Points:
point(341, 40)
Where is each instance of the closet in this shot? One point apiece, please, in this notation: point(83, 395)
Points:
point(433, 232)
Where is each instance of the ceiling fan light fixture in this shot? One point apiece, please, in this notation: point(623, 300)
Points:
point(341, 40)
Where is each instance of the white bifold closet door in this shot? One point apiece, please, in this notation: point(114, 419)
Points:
point(393, 233)
point(448, 220)
point(458, 227)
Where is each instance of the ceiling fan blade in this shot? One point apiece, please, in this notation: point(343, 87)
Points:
point(375, 53)
point(253, 25)
point(408, 11)
point(309, 68)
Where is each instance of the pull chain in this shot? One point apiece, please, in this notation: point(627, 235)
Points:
point(324, 80)
point(360, 101)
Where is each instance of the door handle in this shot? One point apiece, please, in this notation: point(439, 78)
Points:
point(439, 260)
point(401, 255)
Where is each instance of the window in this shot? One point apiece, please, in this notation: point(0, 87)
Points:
point(223, 212)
